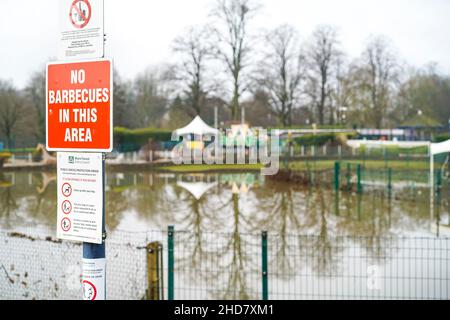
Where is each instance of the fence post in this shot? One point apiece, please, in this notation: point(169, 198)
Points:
point(438, 182)
point(265, 282)
point(154, 271)
point(170, 261)
point(390, 179)
point(349, 174)
point(358, 172)
point(337, 171)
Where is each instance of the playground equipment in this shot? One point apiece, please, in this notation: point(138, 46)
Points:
point(47, 159)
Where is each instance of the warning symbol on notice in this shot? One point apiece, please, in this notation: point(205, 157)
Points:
point(66, 190)
point(67, 207)
point(80, 13)
point(66, 224)
point(89, 291)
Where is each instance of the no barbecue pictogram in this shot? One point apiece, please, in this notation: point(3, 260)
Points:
point(80, 13)
point(89, 290)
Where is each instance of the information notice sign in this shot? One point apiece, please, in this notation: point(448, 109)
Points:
point(80, 197)
point(81, 33)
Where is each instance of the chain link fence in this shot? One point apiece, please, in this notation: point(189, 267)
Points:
point(211, 265)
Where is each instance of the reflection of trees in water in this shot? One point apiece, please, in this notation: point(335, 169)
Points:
point(237, 287)
point(291, 212)
point(226, 254)
point(116, 204)
point(22, 204)
point(192, 214)
point(367, 219)
point(281, 219)
point(8, 205)
point(42, 206)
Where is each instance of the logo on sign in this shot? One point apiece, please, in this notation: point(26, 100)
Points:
point(71, 160)
point(80, 13)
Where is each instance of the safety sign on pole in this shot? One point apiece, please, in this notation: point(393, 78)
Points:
point(80, 197)
point(79, 119)
point(81, 34)
point(94, 279)
point(79, 106)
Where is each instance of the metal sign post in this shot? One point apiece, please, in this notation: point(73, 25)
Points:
point(94, 257)
point(79, 127)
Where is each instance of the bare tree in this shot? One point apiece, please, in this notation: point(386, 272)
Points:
point(280, 72)
point(377, 76)
point(194, 50)
point(125, 107)
point(35, 94)
point(11, 111)
point(233, 49)
point(152, 93)
point(322, 55)
point(342, 92)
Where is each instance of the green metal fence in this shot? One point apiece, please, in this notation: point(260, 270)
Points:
point(210, 265)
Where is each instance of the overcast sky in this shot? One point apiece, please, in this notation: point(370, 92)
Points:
point(140, 31)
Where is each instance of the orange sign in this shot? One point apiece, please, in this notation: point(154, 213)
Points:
point(79, 106)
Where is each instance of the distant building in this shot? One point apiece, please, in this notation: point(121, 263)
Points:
point(421, 128)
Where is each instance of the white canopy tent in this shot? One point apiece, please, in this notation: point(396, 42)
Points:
point(435, 148)
point(197, 189)
point(197, 127)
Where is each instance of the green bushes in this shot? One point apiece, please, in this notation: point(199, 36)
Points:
point(133, 140)
point(442, 137)
point(22, 150)
point(392, 151)
point(3, 157)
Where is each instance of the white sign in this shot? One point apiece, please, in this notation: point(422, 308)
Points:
point(80, 197)
point(81, 29)
point(93, 279)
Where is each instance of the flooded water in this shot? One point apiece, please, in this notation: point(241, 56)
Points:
point(321, 243)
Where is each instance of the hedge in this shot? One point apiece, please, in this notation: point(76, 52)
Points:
point(320, 139)
point(133, 140)
point(21, 150)
point(393, 151)
point(310, 127)
point(442, 137)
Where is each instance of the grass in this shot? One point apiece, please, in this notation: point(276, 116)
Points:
point(368, 164)
point(398, 165)
point(215, 167)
